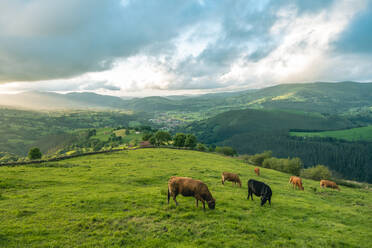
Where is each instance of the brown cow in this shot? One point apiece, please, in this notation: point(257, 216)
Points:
point(190, 187)
point(227, 176)
point(257, 171)
point(296, 182)
point(329, 184)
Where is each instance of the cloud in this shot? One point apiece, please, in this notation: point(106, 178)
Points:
point(43, 39)
point(123, 46)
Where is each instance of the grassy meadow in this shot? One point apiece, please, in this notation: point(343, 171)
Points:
point(353, 134)
point(120, 200)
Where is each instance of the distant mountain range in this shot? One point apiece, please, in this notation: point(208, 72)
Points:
point(318, 97)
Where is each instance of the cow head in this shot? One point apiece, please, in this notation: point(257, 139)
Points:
point(212, 203)
point(266, 196)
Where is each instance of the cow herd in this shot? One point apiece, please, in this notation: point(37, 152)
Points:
point(199, 190)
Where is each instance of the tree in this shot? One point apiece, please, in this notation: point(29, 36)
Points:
point(147, 136)
point(127, 131)
point(152, 140)
point(190, 141)
point(34, 153)
point(179, 140)
point(162, 137)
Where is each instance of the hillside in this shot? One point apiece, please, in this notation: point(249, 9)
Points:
point(253, 131)
point(331, 98)
point(318, 97)
point(20, 130)
point(119, 199)
point(353, 134)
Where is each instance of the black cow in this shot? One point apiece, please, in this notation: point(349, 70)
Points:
point(259, 189)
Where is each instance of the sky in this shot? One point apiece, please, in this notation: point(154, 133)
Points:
point(171, 47)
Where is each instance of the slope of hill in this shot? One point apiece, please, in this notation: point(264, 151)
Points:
point(253, 131)
point(311, 97)
point(353, 134)
point(318, 97)
point(20, 130)
point(120, 200)
point(236, 122)
point(50, 101)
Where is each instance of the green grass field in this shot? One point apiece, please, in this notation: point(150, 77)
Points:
point(353, 134)
point(120, 200)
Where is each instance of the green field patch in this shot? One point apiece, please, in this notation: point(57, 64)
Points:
point(120, 200)
point(353, 134)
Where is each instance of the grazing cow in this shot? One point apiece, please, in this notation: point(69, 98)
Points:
point(257, 171)
point(227, 176)
point(259, 189)
point(329, 184)
point(296, 182)
point(190, 187)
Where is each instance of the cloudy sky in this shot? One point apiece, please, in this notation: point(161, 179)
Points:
point(162, 47)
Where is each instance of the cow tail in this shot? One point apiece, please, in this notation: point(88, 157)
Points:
point(168, 195)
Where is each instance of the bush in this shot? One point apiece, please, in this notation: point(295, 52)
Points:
point(226, 150)
point(146, 136)
point(318, 172)
point(212, 148)
point(34, 153)
point(201, 147)
point(246, 158)
point(179, 140)
point(190, 141)
point(258, 159)
point(292, 166)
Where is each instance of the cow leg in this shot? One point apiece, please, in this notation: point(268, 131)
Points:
point(174, 198)
point(270, 201)
point(203, 205)
point(223, 180)
point(168, 195)
point(197, 202)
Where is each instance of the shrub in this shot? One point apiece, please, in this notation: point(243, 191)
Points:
point(212, 148)
point(318, 172)
point(258, 159)
point(292, 166)
point(34, 153)
point(190, 141)
point(246, 158)
point(201, 147)
point(146, 136)
point(179, 140)
point(226, 150)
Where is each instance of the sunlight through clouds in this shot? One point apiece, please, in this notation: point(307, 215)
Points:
point(133, 46)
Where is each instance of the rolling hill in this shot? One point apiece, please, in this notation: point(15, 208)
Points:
point(119, 199)
point(331, 98)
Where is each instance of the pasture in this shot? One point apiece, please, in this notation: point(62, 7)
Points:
point(120, 200)
point(353, 134)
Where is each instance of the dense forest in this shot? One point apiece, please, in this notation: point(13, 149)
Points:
point(254, 131)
